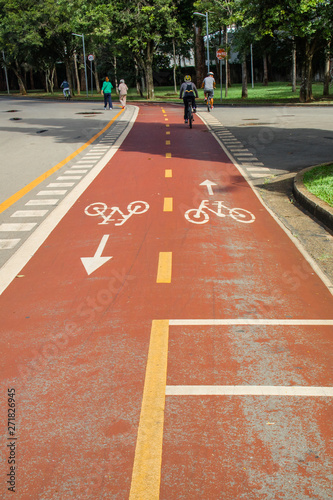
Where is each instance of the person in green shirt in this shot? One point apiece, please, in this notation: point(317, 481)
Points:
point(106, 90)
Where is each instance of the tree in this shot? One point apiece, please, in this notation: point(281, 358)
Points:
point(141, 27)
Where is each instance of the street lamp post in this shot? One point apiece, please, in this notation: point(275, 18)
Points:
point(206, 16)
point(84, 58)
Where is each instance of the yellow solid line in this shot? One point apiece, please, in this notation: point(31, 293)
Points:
point(164, 269)
point(167, 143)
point(17, 196)
point(168, 155)
point(168, 205)
point(168, 173)
point(146, 475)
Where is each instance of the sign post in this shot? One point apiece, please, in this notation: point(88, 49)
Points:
point(91, 58)
point(221, 54)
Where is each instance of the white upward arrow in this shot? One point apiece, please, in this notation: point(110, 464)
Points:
point(209, 185)
point(93, 263)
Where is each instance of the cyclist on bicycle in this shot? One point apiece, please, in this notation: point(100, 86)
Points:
point(188, 91)
point(65, 87)
point(209, 85)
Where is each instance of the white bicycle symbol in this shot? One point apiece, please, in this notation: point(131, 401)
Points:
point(201, 216)
point(100, 209)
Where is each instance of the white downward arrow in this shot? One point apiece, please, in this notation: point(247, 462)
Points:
point(209, 185)
point(93, 263)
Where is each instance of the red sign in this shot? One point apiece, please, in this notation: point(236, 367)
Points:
point(221, 53)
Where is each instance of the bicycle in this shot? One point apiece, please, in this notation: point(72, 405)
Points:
point(67, 94)
point(209, 102)
point(201, 216)
point(99, 209)
point(190, 114)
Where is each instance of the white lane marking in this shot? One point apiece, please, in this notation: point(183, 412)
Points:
point(70, 172)
point(250, 321)
point(8, 244)
point(20, 258)
point(29, 213)
point(247, 390)
point(22, 226)
point(86, 163)
point(36, 203)
point(52, 192)
point(257, 169)
point(72, 177)
point(60, 184)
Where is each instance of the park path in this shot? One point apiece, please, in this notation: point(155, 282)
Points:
point(158, 351)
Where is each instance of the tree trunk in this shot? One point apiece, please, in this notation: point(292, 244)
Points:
point(327, 77)
point(149, 71)
point(78, 86)
point(294, 73)
point(115, 73)
point(225, 45)
point(174, 65)
point(17, 72)
point(200, 67)
point(305, 94)
point(32, 83)
point(98, 87)
point(265, 80)
point(244, 77)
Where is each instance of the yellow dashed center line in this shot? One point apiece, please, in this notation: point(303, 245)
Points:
point(164, 269)
point(168, 205)
point(167, 143)
point(168, 132)
point(167, 125)
point(168, 172)
point(168, 155)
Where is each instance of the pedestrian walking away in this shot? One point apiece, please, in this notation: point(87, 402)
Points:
point(123, 89)
point(106, 90)
point(188, 91)
point(209, 85)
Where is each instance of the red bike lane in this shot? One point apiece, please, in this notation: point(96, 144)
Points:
point(176, 368)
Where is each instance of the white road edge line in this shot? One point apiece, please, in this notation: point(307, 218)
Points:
point(14, 265)
point(247, 390)
point(327, 282)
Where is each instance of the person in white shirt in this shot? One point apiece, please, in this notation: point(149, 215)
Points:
point(123, 89)
point(209, 85)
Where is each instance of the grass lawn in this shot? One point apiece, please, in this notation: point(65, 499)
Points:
point(319, 181)
point(274, 93)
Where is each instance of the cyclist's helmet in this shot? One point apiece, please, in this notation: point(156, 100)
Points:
point(187, 78)
point(210, 73)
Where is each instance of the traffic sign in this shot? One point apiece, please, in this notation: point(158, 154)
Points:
point(221, 54)
point(90, 57)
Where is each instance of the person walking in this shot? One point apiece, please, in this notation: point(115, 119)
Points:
point(106, 90)
point(123, 89)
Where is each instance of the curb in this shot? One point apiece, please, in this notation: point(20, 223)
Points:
point(319, 208)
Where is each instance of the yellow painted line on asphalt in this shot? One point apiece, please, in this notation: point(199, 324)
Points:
point(166, 119)
point(17, 196)
point(168, 205)
point(167, 132)
point(164, 270)
point(167, 143)
point(146, 475)
point(168, 155)
point(167, 125)
point(168, 172)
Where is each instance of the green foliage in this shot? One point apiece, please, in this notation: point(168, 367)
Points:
point(319, 181)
